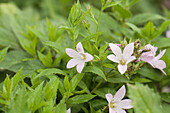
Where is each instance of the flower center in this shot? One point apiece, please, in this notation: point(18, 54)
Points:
point(112, 104)
point(123, 62)
point(83, 57)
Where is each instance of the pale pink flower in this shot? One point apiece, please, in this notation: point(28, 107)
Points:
point(116, 104)
point(69, 110)
point(150, 58)
point(78, 57)
point(122, 58)
point(168, 34)
point(147, 56)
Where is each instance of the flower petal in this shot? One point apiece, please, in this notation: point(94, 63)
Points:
point(130, 59)
point(113, 58)
point(80, 67)
point(71, 52)
point(163, 72)
point(69, 110)
point(121, 111)
point(128, 50)
point(116, 50)
point(147, 56)
point(72, 63)
point(160, 54)
point(109, 97)
point(125, 104)
point(168, 34)
point(79, 48)
point(120, 94)
point(111, 110)
point(122, 68)
point(89, 57)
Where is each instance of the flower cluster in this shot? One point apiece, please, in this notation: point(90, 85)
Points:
point(147, 54)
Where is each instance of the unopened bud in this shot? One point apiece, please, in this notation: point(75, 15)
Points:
point(137, 44)
point(88, 7)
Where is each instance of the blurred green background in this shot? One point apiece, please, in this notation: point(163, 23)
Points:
point(52, 8)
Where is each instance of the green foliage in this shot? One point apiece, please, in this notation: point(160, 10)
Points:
point(33, 61)
point(143, 98)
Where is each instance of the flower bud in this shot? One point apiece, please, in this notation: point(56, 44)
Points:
point(137, 44)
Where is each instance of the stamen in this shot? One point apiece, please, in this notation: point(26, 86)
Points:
point(112, 104)
point(123, 62)
point(83, 57)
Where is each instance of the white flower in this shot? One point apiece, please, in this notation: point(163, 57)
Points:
point(116, 104)
point(78, 58)
point(122, 58)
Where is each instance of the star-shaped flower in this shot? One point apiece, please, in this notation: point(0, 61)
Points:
point(150, 58)
point(116, 104)
point(78, 57)
point(122, 58)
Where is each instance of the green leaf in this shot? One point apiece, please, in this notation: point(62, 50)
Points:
point(29, 46)
point(165, 97)
point(51, 91)
point(19, 102)
point(96, 70)
point(141, 80)
point(148, 30)
point(7, 87)
point(122, 11)
point(67, 83)
point(80, 99)
point(150, 73)
point(35, 97)
point(162, 42)
point(3, 54)
point(60, 50)
point(52, 31)
point(98, 103)
point(61, 107)
point(143, 98)
point(118, 79)
point(16, 79)
point(161, 29)
point(50, 71)
point(145, 17)
point(75, 80)
point(133, 2)
point(46, 59)
point(91, 37)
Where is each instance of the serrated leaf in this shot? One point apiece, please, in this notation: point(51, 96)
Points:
point(15, 80)
point(35, 96)
point(75, 80)
point(46, 59)
point(143, 98)
point(95, 70)
point(3, 54)
point(19, 102)
point(80, 99)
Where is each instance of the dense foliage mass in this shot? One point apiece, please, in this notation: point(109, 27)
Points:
point(109, 59)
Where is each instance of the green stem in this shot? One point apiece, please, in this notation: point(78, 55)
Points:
point(97, 86)
point(98, 25)
point(100, 82)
